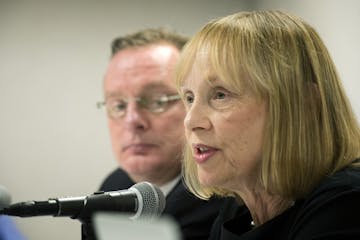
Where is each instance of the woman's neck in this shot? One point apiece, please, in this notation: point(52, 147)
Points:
point(264, 206)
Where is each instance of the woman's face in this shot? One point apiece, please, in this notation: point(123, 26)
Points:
point(224, 130)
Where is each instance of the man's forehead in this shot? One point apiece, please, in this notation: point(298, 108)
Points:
point(142, 67)
point(146, 57)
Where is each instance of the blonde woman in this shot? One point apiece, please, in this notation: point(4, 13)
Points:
point(268, 122)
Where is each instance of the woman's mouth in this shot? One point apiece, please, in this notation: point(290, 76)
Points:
point(202, 152)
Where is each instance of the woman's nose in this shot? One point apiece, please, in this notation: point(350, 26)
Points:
point(197, 118)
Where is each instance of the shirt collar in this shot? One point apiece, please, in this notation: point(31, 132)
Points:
point(167, 187)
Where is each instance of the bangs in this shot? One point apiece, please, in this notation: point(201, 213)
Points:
point(220, 50)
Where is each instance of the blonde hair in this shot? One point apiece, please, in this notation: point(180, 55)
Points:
point(312, 131)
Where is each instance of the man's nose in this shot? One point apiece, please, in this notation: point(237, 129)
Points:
point(135, 117)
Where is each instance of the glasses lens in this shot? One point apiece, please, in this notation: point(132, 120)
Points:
point(156, 103)
point(116, 108)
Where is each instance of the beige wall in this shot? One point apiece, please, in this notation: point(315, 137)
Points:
point(53, 140)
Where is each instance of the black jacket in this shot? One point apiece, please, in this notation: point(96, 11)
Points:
point(330, 212)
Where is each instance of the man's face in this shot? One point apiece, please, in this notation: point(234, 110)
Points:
point(147, 145)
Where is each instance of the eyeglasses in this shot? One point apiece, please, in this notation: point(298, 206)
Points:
point(116, 107)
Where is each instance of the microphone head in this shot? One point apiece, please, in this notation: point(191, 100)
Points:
point(150, 198)
point(5, 198)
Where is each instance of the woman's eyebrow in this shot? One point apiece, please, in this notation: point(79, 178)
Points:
point(212, 78)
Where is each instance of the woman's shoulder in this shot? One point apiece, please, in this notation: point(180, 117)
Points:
point(332, 209)
point(344, 181)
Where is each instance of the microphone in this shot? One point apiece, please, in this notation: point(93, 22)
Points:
point(5, 198)
point(142, 199)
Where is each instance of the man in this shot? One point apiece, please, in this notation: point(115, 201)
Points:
point(145, 118)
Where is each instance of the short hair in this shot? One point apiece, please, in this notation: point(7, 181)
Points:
point(311, 130)
point(147, 37)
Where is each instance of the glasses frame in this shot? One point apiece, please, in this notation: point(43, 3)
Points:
point(143, 103)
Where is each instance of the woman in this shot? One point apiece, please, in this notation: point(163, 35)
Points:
point(268, 122)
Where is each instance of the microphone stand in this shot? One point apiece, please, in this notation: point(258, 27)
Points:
point(87, 231)
point(87, 226)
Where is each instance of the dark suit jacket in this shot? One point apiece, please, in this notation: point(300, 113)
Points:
point(194, 216)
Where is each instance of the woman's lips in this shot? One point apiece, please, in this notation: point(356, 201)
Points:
point(202, 152)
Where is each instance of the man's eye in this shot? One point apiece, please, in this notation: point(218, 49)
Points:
point(121, 106)
point(156, 103)
point(152, 102)
point(118, 106)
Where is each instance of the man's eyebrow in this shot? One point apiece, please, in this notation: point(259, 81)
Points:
point(146, 88)
point(155, 86)
point(112, 94)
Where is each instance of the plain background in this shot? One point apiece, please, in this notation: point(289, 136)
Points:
point(53, 140)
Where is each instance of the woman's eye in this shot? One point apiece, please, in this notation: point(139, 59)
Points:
point(221, 98)
point(219, 95)
point(189, 98)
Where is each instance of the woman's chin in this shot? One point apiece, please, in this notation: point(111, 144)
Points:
point(207, 180)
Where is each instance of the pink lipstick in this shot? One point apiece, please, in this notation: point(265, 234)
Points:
point(203, 152)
